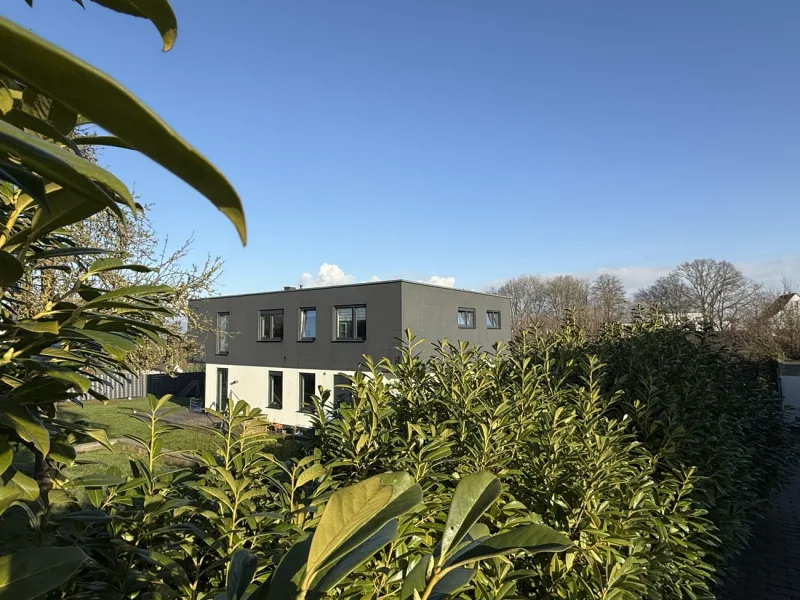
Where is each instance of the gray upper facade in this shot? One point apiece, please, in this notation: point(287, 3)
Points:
point(272, 329)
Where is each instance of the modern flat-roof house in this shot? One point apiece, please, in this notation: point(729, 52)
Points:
point(274, 349)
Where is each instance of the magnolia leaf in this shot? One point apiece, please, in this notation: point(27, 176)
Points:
point(29, 573)
point(452, 581)
point(134, 290)
point(474, 494)
point(10, 269)
point(159, 12)
point(355, 558)
point(24, 120)
point(37, 326)
point(240, 573)
point(103, 101)
point(356, 512)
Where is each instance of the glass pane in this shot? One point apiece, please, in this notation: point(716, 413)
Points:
point(309, 328)
point(493, 319)
point(222, 332)
point(264, 322)
point(307, 391)
point(361, 323)
point(340, 392)
point(276, 390)
point(277, 326)
point(344, 323)
point(470, 319)
point(462, 319)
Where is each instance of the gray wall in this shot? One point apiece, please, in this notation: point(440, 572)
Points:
point(383, 327)
point(431, 312)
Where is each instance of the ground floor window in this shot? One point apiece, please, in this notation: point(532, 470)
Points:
point(307, 391)
point(275, 390)
point(341, 391)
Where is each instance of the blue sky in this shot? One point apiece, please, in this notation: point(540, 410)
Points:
point(467, 140)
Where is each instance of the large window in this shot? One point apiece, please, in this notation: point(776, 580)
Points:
point(466, 318)
point(275, 390)
point(222, 332)
point(270, 325)
point(493, 319)
point(351, 322)
point(307, 392)
point(308, 324)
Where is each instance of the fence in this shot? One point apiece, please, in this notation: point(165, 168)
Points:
point(182, 385)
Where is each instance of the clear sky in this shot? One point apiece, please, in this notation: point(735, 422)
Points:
point(467, 140)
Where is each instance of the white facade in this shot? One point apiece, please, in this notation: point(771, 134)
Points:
point(251, 384)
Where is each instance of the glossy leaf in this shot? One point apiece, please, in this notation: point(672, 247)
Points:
point(240, 573)
point(451, 582)
point(530, 538)
point(103, 101)
point(6, 455)
point(29, 573)
point(112, 264)
point(417, 578)
point(27, 426)
point(158, 11)
point(10, 269)
point(97, 480)
point(474, 494)
point(25, 180)
point(285, 581)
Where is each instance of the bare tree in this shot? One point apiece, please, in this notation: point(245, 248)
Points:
point(528, 300)
point(721, 293)
point(668, 293)
point(567, 292)
point(607, 297)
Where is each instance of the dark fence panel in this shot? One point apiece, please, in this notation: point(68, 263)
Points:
point(158, 384)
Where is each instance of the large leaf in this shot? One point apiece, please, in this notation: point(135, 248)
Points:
point(474, 494)
point(133, 290)
point(416, 580)
point(530, 538)
point(63, 167)
point(101, 140)
point(6, 455)
point(157, 11)
point(28, 182)
point(285, 581)
point(356, 512)
point(240, 573)
point(452, 581)
point(45, 128)
point(27, 426)
point(111, 264)
point(356, 557)
point(97, 480)
point(105, 102)
point(29, 573)
point(10, 269)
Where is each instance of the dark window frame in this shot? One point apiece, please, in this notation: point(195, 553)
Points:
point(269, 313)
point(222, 335)
point(353, 308)
point(465, 309)
point(304, 408)
point(302, 313)
point(271, 390)
point(489, 321)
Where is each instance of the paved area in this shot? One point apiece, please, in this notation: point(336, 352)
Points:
point(770, 568)
point(187, 418)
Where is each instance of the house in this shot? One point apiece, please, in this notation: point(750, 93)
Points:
point(783, 305)
point(274, 349)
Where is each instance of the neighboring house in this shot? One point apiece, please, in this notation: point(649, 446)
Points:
point(274, 349)
point(783, 305)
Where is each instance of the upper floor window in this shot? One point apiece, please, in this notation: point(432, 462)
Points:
point(493, 319)
point(222, 332)
point(351, 322)
point(308, 324)
point(466, 318)
point(270, 325)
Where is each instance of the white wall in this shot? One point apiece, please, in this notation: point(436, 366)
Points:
point(790, 387)
point(251, 384)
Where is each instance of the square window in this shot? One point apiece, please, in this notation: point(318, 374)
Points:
point(493, 319)
point(466, 318)
point(270, 325)
point(223, 319)
point(351, 323)
point(307, 392)
point(275, 399)
point(308, 324)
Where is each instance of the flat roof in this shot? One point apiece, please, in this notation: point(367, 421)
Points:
point(346, 285)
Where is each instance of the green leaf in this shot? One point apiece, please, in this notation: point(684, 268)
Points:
point(116, 345)
point(474, 494)
point(157, 11)
point(9, 494)
point(10, 269)
point(102, 140)
point(285, 581)
point(28, 182)
point(28, 488)
point(63, 452)
point(103, 101)
point(6, 99)
point(27, 426)
point(530, 538)
point(29, 573)
point(6, 455)
point(111, 264)
point(454, 580)
point(356, 512)
point(313, 472)
point(133, 290)
point(240, 573)
point(69, 251)
point(63, 167)
point(97, 480)
point(70, 377)
point(23, 119)
point(356, 557)
point(37, 326)
point(416, 579)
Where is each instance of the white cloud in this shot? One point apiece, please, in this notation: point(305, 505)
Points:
point(442, 281)
point(327, 275)
point(373, 278)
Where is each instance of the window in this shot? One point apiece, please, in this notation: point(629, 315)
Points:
point(222, 332)
point(466, 318)
point(270, 325)
point(341, 391)
point(222, 389)
point(275, 399)
point(307, 392)
point(492, 319)
point(351, 323)
point(308, 324)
